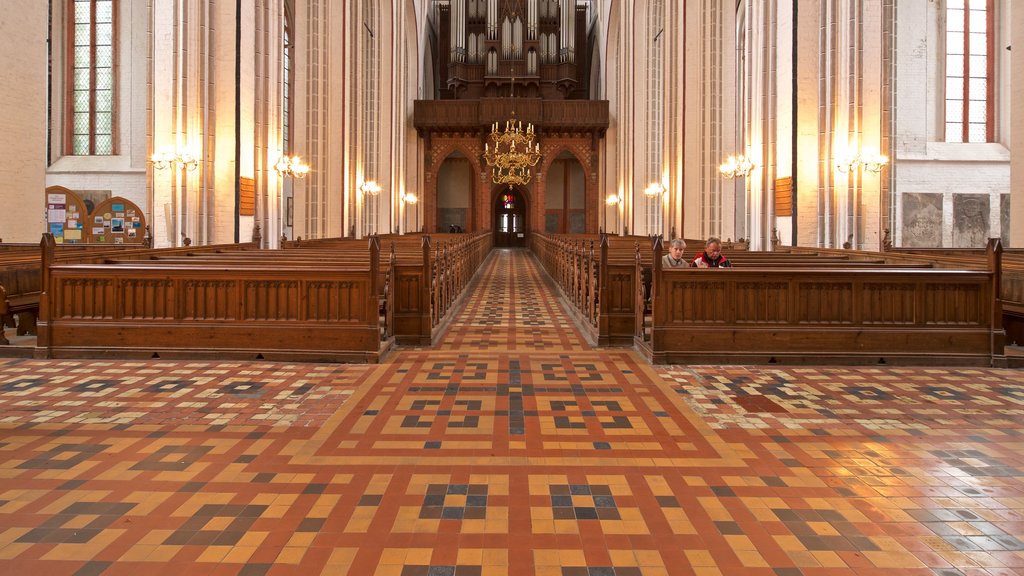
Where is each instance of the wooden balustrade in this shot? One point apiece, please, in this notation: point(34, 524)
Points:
point(597, 276)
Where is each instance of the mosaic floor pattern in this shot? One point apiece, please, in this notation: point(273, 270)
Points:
point(512, 448)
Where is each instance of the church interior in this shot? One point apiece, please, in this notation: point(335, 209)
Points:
point(421, 288)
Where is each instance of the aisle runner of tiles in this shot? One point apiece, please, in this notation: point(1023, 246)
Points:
point(512, 448)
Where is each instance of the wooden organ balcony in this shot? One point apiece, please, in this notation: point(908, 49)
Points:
point(472, 115)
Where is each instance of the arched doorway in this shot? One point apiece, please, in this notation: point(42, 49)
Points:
point(510, 220)
point(565, 196)
point(455, 193)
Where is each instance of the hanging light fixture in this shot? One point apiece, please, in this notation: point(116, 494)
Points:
point(514, 151)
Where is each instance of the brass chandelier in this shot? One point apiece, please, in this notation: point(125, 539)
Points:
point(514, 153)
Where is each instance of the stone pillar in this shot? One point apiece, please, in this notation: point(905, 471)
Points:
point(1017, 129)
point(23, 76)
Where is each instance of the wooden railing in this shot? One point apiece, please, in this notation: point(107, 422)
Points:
point(598, 277)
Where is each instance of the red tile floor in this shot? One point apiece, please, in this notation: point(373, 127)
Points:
point(512, 448)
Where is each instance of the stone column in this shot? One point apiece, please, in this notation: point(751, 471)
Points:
point(23, 171)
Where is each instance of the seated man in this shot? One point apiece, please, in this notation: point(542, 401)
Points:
point(712, 256)
point(674, 258)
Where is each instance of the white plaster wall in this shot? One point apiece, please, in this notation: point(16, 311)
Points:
point(23, 77)
point(923, 162)
point(124, 173)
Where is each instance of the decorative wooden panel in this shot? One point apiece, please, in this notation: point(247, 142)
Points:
point(246, 197)
point(888, 303)
point(761, 302)
point(271, 300)
point(698, 302)
point(209, 300)
point(620, 292)
point(954, 304)
point(330, 301)
point(85, 298)
point(784, 197)
point(147, 299)
point(825, 302)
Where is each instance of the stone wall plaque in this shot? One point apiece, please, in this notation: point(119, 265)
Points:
point(970, 220)
point(922, 220)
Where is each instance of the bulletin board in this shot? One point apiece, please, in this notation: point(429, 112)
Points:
point(116, 221)
point(65, 216)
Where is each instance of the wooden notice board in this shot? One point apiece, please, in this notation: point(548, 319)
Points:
point(784, 196)
point(247, 197)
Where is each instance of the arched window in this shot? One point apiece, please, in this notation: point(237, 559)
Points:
point(90, 83)
point(970, 66)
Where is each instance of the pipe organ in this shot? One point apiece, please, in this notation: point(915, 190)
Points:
point(535, 42)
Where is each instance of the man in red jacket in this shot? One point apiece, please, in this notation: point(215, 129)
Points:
point(712, 256)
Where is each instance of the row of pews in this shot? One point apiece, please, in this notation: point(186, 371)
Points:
point(325, 300)
point(795, 306)
point(21, 276)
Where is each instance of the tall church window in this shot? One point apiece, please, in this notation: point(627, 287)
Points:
point(970, 67)
point(91, 82)
point(655, 114)
point(286, 103)
point(371, 128)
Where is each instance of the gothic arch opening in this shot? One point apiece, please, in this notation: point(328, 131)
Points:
point(455, 193)
point(565, 193)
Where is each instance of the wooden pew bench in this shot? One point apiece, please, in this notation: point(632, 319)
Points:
point(833, 314)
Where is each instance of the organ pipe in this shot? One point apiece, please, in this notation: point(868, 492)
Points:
point(517, 39)
point(492, 19)
point(531, 19)
point(506, 39)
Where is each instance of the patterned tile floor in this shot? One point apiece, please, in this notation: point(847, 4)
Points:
point(513, 448)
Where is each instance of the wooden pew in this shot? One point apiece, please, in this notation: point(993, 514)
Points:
point(20, 273)
point(420, 277)
point(825, 315)
point(151, 308)
point(1011, 287)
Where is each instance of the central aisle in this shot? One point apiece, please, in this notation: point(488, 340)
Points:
point(514, 445)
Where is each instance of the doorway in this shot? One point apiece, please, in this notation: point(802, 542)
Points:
point(510, 225)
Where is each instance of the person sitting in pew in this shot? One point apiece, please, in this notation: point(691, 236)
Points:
point(712, 256)
point(674, 258)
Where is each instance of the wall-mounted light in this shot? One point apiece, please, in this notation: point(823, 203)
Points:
point(654, 190)
point(370, 188)
point(410, 198)
point(291, 166)
point(873, 162)
point(736, 166)
point(870, 162)
point(613, 199)
point(166, 157)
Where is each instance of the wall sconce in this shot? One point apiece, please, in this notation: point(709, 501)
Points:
point(736, 166)
point(410, 198)
point(292, 166)
point(370, 188)
point(613, 199)
point(871, 162)
point(654, 190)
point(166, 157)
